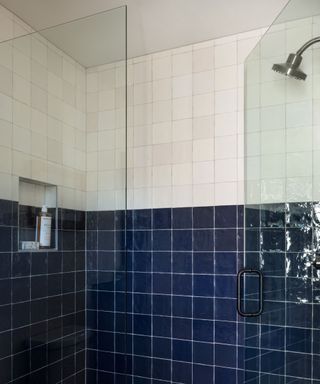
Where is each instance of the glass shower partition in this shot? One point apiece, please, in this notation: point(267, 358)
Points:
point(280, 328)
point(63, 145)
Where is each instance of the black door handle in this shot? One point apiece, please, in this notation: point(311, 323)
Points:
point(241, 273)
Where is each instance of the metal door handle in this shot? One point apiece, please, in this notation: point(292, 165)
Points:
point(241, 273)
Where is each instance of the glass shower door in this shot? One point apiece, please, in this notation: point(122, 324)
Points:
point(281, 235)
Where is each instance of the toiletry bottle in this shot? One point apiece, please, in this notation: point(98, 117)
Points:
point(43, 230)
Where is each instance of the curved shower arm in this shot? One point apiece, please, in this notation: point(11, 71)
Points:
point(308, 44)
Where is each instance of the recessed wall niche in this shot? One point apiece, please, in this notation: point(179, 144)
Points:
point(37, 216)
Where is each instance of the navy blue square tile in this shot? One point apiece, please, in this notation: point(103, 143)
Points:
point(21, 264)
point(181, 328)
point(161, 369)
point(203, 330)
point(162, 283)
point(298, 340)
point(161, 347)
point(142, 345)
point(161, 326)
point(142, 303)
point(142, 282)
point(203, 240)
point(182, 306)
point(203, 217)
point(225, 332)
point(181, 372)
point(203, 262)
point(161, 262)
point(181, 350)
point(5, 289)
point(142, 219)
point(225, 240)
point(226, 263)
point(142, 261)
point(6, 212)
point(272, 215)
point(182, 262)
point(142, 324)
point(106, 220)
point(203, 353)
point(162, 240)
point(299, 239)
point(5, 265)
point(252, 216)
point(273, 240)
point(182, 218)
point(203, 308)
point(202, 374)
point(272, 337)
point(225, 375)
point(20, 289)
point(182, 284)
point(161, 305)
point(225, 355)
point(273, 361)
point(162, 218)
point(106, 240)
point(226, 216)
point(203, 285)
point(225, 286)
point(252, 237)
point(142, 368)
point(182, 240)
point(142, 240)
point(225, 309)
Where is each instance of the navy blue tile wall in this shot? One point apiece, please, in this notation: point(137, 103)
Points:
point(280, 345)
point(42, 304)
point(168, 302)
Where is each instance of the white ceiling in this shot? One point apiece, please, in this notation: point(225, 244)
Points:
point(154, 25)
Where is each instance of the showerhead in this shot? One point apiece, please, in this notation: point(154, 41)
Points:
point(291, 67)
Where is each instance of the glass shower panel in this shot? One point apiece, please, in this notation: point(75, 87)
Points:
point(63, 146)
point(281, 203)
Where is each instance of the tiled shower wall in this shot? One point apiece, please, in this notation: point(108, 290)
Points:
point(185, 126)
point(178, 321)
point(42, 303)
point(42, 114)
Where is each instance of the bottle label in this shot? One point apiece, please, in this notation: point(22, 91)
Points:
point(45, 231)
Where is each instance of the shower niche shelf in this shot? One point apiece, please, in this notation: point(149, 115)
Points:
point(33, 197)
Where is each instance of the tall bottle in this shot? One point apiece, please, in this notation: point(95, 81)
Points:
point(43, 230)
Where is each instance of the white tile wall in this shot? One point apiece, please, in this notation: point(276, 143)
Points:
point(185, 131)
point(42, 114)
point(282, 119)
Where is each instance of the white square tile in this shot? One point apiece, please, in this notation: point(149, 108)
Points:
point(203, 105)
point(182, 64)
point(225, 54)
point(182, 108)
point(162, 175)
point(162, 89)
point(203, 150)
point(182, 130)
point(203, 172)
point(182, 174)
point(226, 101)
point(225, 147)
point(182, 86)
point(162, 154)
point(162, 67)
point(182, 152)
point(226, 78)
point(203, 59)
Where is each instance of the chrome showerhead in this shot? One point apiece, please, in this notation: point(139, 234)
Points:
point(291, 67)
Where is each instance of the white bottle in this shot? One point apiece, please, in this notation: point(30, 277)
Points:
point(43, 232)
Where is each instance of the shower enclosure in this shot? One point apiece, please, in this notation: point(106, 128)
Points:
point(63, 146)
point(280, 327)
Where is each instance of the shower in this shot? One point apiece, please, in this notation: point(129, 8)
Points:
point(291, 67)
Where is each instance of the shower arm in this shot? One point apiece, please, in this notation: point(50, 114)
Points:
point(307, 45)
